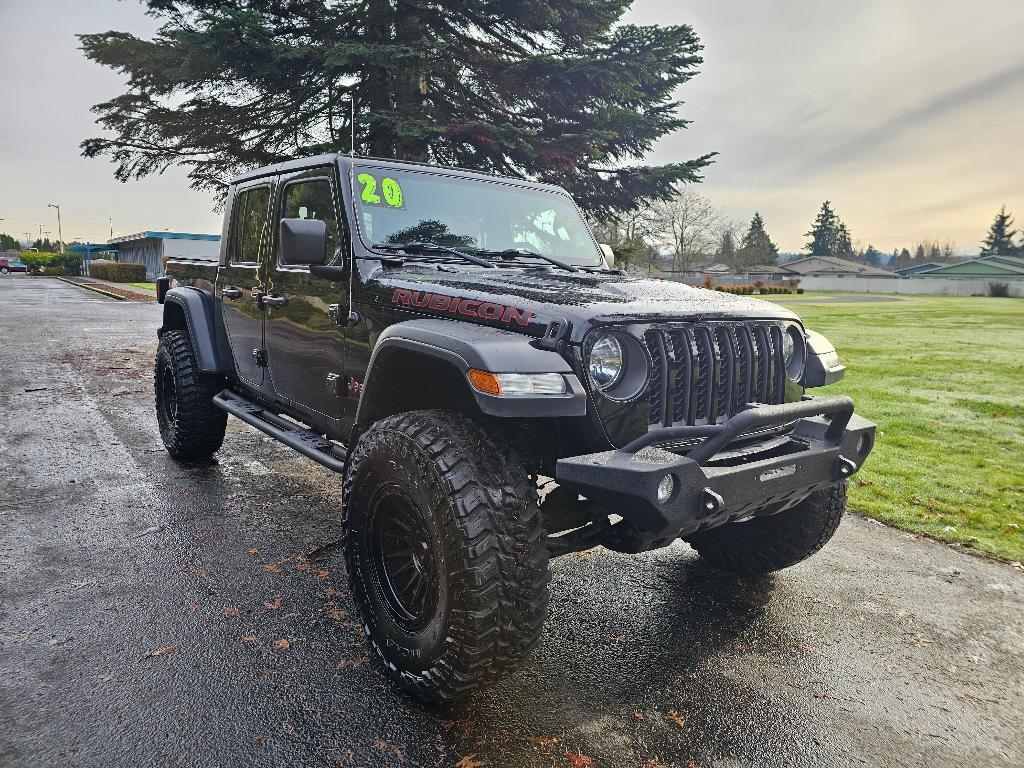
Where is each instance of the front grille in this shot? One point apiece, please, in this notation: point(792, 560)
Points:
point(703, 373)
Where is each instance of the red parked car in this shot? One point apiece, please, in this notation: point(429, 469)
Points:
point(12, 265)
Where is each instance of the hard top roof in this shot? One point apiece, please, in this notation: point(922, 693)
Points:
point(318, 160)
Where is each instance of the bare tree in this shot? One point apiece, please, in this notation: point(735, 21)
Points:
point(729, 252)
point(631, 235)
point(689, 225)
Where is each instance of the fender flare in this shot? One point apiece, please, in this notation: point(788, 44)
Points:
point(464, 346)
point(198, 307)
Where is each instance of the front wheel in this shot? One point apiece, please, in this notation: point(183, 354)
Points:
point(765, 544)
point(445, 552)
point(4, 270)
point(191, 426)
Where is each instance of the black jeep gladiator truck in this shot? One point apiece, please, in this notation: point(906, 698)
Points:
point(456, 346)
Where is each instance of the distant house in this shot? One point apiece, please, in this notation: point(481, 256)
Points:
point(770, 271)
point(908, 271)
point(832, 266)
point(715, 269)
point(983, 266)
point(151, 248)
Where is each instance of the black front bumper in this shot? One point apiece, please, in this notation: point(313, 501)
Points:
point(710, 484)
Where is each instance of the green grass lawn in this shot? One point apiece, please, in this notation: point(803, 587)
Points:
point(943, 378)
point(150, 286)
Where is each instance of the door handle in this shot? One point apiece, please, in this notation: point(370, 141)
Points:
point(231, 292)
point(274, 300)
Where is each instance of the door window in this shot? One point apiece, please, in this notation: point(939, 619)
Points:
point(250, 224)
point(313, 199)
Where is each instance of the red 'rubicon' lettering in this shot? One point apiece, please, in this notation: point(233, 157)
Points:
point(455, 305)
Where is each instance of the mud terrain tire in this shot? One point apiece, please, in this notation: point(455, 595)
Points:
point(766, 544)
point(191, 426)
point(432, 497)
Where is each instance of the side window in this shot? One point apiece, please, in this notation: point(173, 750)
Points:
point(250, 224)
point(312, 199)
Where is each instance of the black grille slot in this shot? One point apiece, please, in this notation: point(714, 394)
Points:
point(703, 373)
point(655, 341)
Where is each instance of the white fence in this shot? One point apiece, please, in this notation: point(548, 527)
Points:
point(932, 286)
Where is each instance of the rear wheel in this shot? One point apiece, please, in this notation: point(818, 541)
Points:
point(766, 544)
point(445, 552)
point(191, 426)
point(4, 270)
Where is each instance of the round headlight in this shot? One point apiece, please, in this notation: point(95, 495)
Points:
point(793, 352)
point(607, 363)
point(788, 345)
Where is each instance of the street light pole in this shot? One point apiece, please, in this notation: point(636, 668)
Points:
point(60, 235)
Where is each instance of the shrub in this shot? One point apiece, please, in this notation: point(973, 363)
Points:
point(799, 290)
point(1000, 290)
point(36, 260)
point(39, 262)
point(708, 281)
point(118, 273)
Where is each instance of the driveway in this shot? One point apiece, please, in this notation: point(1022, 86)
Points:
point(153, 614)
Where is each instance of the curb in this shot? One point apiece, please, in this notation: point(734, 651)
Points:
point(95, 289)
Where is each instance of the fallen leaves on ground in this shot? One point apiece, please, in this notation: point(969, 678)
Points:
point(274, 605)
point(249, 639)
point(271, 568)
point(231, 612)
point(351, 663)
point(470, 761)
point(387, 746)
point(332, 592)
point(638, 715)
point(167, 650)
point(281, 645)
point(337, 614)
point(675, 718)
point(254, 551)
point(579, 760)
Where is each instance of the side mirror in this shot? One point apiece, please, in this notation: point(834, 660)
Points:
point(303, 241)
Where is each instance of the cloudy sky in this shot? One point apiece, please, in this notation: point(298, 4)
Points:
point(907, 114)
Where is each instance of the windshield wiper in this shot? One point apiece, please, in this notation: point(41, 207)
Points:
point(416, 247)
point(512, 253)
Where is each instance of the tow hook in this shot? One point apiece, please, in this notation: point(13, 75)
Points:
point(711, 503)
point(846, 467)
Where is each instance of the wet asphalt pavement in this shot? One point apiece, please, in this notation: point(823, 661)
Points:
point(154, 614)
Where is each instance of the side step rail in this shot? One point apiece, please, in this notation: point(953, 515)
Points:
point(309, 444)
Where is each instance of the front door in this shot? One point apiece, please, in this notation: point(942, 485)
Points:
point(240, 281)
point(305, 338)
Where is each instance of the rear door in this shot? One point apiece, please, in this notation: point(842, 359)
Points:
point(304, 338)
point(241, 280)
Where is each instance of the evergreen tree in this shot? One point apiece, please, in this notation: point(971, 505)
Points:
point(555, 90)
point(999, 241)
point(727, 249)
point(844, 243)
point(829, 236)
point(757, 247)
point(9, 243)
point(873, 256)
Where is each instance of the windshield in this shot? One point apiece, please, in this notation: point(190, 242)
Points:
point(397, 206)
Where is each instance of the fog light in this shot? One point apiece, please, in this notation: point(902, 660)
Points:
point(665, 488)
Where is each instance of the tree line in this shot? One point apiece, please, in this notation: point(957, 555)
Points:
point(11, 243)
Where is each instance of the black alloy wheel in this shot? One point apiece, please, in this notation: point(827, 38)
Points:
point(403, 557)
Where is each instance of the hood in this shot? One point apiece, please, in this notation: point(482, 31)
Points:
point(546, 295)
